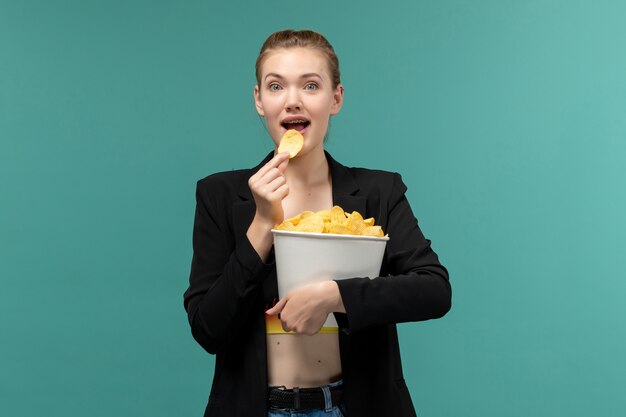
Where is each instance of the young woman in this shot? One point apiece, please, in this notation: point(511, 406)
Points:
point(232, 295)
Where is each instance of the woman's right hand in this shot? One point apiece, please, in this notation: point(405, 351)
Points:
point(269, 187)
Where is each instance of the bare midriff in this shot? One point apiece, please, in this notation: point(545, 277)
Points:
point(296, 360)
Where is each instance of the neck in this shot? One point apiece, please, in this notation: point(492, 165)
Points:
point(308, 170)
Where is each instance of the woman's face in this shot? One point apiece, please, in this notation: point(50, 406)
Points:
point(296, 92)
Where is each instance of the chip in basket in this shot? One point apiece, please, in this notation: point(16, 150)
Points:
point(335, 221)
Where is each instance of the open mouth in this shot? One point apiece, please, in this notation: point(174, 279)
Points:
point(297, 124)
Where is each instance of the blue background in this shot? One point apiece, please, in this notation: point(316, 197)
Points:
point(505, 118)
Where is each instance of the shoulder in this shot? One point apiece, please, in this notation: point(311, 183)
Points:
point(377, 181)
point(368, 174)
point(224, 181)
point(222, 188)
point(217, 192)
point(364, 178)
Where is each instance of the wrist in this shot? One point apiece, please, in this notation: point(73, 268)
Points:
point(262, 224)
point(334, 297)
point(260, 236)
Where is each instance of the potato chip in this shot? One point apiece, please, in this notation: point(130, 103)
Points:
point(337, 215)
point(292, 142)
point(312, 223)
point(306, 214)
point(355, 223)
point(294, 220)
point(286, 225)
point(373, 231)
point(335, 221)
point(339, 229)
point(325, 214)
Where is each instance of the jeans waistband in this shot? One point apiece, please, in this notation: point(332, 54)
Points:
point(323, 397)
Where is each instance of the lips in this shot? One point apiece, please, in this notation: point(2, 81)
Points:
point(297, 123)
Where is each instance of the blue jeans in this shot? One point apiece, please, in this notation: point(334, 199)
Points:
point(329, 411)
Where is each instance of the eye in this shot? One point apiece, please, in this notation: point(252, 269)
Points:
point(274, 87)
point(311, 86)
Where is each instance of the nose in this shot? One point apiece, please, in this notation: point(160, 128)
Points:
point(293, 101)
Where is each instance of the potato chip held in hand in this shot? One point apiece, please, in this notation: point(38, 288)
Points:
point(292, 142)
point(335, 221)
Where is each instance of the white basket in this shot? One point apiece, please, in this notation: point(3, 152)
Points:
point(305, 258)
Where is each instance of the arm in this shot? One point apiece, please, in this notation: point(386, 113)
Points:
point(226, 274)
point(417, 287)
point(304, 310)
point(224, 278)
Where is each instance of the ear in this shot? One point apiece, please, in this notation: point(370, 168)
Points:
point(337, 100)
point(257, 101)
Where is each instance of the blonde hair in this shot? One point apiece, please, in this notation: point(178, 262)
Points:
point(300, 39)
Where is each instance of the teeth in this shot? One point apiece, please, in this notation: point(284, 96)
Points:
point(296, 121)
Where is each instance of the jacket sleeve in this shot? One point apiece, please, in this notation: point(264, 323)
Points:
point(417, 287)
point(224, 278)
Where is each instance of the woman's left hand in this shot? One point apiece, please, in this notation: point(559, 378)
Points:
point(305, 309)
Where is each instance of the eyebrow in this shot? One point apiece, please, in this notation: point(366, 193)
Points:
point(307, 75)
